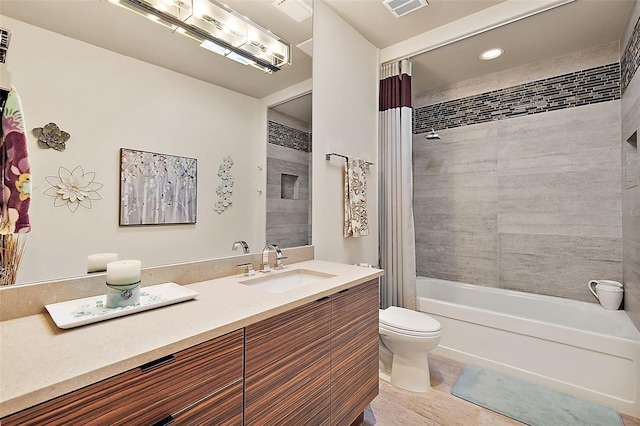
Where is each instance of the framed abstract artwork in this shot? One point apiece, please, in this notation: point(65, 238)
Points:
point(157, 189)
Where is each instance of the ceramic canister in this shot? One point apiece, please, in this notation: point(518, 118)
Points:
point(608, 292)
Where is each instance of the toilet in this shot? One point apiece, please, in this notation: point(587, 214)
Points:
point(406, 337)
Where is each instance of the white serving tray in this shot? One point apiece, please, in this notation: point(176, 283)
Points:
point(75, 313)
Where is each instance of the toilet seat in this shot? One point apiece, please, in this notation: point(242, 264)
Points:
point(417, 334)
point(408, 322)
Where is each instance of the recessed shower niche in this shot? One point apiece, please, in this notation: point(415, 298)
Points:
point(289, 187)
point(631, 163)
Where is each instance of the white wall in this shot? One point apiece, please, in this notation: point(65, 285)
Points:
point(107, 101)
point(345, 120)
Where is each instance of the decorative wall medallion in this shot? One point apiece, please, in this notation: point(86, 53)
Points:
point(73, 189)
point(50, 136)
point(225, 188)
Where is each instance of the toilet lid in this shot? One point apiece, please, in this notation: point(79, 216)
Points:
point(406, 319)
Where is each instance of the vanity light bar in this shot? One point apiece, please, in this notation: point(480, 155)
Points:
point(247, 48)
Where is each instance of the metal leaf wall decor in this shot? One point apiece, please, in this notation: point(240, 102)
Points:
point(225, 188)
point(50, 136)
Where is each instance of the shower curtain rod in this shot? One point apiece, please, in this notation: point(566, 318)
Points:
point(328, 157)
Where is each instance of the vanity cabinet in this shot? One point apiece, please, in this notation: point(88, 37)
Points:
point(287, 367)
point(316, 364)
point(202, 382)
point(354, 351)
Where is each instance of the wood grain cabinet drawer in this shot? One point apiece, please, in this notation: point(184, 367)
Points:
point(145, 395)
point(223, 408)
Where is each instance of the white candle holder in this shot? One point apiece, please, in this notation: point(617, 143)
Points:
point(123, 282)
point(121, 295)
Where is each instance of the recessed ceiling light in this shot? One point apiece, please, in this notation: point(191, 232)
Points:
point(491, 53)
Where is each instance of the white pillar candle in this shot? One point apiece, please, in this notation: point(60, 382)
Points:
point(123, 272)
point(98, 262)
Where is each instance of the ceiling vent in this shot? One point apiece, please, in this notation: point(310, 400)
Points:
point(402, 7)
point(297, 10)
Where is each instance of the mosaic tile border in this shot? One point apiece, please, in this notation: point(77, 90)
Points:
point(590, 86)
point(630, 60)
point(288, 137)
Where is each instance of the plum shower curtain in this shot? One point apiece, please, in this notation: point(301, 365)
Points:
point(397, 233)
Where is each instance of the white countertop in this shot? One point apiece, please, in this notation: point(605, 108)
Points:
point(39, 361)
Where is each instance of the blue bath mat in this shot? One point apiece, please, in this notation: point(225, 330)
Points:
point(529, 403)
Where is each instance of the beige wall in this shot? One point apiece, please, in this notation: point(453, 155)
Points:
point(345, 100)
point(631, 197)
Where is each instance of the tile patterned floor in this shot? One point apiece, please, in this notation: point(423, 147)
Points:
point(397, 407)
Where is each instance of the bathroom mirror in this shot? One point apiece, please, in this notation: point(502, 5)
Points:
point(142, 87)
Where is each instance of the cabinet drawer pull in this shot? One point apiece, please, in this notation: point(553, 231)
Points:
point(157, 363)
point(322, 299)
point(166, 421)
point(344, 291)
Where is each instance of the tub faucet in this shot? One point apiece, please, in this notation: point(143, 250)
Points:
point(243, 244)
point(265, 257)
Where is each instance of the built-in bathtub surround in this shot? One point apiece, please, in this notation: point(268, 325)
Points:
point(630, 60)
point(573, 347)
point(526, 201)
point(288, 181)
point(630, 212)
point(584, 87)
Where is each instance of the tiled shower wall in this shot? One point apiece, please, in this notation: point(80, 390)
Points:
point(631, 196)
point(528, 199)
point(288, 152)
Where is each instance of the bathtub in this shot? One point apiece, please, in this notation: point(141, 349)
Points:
point(573, 347)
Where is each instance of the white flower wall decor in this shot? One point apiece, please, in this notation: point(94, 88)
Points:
point(73, 188)
point(225, 188)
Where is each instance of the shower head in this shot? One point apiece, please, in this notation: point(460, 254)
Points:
point(432, 135)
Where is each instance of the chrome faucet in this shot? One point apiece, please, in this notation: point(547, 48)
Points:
point(265, 257)
point(243, 244)
point(248, 269)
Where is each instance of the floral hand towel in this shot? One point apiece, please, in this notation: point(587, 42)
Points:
point(355, 198)
point(16, 174)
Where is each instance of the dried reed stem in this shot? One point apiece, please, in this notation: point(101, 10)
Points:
point(11, 251)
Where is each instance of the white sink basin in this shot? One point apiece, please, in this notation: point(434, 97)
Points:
point(279, 282)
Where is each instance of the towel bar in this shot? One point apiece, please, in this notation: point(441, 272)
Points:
point(328, 157)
